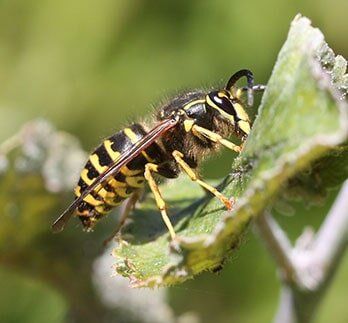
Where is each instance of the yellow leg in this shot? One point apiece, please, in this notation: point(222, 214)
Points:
point(187, 169)
point(149, 168)
point(215, 138)
point(130, 204)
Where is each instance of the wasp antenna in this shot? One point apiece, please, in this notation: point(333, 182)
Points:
point(250, 81)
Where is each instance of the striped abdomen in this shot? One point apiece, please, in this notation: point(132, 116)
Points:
point(120, 186)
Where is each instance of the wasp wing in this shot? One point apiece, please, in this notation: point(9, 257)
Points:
point(114, 168)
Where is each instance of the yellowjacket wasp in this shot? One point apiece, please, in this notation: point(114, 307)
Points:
point(187, 128)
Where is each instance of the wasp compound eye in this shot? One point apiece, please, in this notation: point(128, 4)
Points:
point(221, 100)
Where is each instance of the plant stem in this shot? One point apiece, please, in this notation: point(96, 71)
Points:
point(307, 269)
point(277, 244)
point(332, 237)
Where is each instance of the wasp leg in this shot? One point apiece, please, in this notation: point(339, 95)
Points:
point(178, 156)
point(255, 88)
point(215, 138)
point(250, 88)
point(149, 168)
point(130, 204)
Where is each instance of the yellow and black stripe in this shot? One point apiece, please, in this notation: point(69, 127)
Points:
point(124, 183)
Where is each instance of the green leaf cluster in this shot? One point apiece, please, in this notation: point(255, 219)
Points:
point(299, 133)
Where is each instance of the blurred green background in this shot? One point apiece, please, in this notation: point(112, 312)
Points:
point(89, 67)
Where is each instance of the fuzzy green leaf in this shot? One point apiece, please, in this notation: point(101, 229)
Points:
point(302, 118)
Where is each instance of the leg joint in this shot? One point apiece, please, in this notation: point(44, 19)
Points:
point(149, 167)
point(187, 169)
point(177, 154)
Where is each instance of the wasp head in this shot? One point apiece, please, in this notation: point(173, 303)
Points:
point(230, 108)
